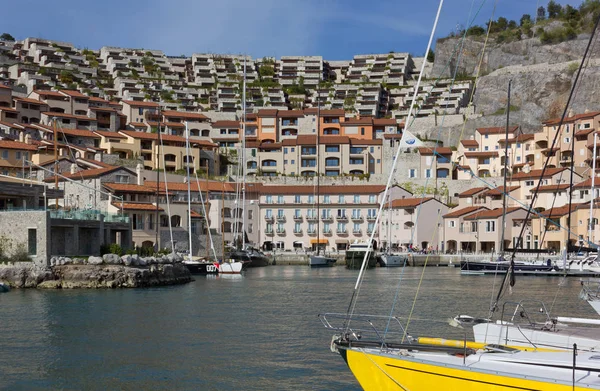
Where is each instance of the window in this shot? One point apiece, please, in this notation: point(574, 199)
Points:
point(297, 199)
point(486, 148)
point(490, 226)
point(311, 199)
point(355, 213)
point(311, 228)
point(487, 136)
point(326, 199)
point(223, 131)
point(18, 155)
point(341, 199)
point(356, 228)
point(297, 228)
point(326, 228)
point(370, 227)
point(31, 241)
point(428, 173)
point(292, 150)
point(528, 183)
point(269, 199)
point(269, 213)
point(356, 199)
point(372, 149)
point(451, 224)
point(567, 140)
point(362, 131)
point(372, 199)
point(412, 173)
point(122, 178)
point(518, 158)
point(297, 214)
point(280, 199)
point(140, 111)
point(518, 145)
point(341, 227)
point(285, 151)
point(332, 148)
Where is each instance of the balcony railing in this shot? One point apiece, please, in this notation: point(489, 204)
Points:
point(371, 218)
point(311, 218)
point(341, 231)
point(327, 218)
point(269, 218)
point(327, 231)
point(269, 231)
point(342, 218)
point(356, 217)
point(281, 218)
point(298, 217)
point(356, 231)
point(311, 231)
point(280, 230)
point(298, 231)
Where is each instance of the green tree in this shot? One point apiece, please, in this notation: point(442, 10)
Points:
point(7, 37)
point(475, 30)
point(525, 19)
point(554, 9)
point(541, 13)
point(430, 56)
point(512, 25)
point(502, 23)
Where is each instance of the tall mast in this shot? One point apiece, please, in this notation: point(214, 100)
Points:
point(223, 221)
point(55, 163)
point(244, 159)
point(318, 165)
point(505, 171)
point(206, 214)
point(158, 177)
point(187, 152)
point(591, 232)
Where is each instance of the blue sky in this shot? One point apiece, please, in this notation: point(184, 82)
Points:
point(334, 29)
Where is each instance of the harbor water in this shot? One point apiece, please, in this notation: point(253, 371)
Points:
point(259, 331)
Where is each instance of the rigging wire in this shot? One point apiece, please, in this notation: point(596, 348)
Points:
point(510, 271)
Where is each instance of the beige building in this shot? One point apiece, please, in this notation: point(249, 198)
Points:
point(13, 157)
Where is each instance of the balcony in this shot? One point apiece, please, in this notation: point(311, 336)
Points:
point(280, 231)
point(297, 217)
point(311, 231)
point(357, 232)
point(327, 218)
point(342, 218)
point(269, 231)
point(371, 218)
point(357, 218)
point(311, 218)
point(281, 219)
point(269, 219)
point(342, 231)
point(298, 231)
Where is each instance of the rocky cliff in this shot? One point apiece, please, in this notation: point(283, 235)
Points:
point(542, 76)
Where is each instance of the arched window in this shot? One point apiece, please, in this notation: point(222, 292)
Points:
point(175, 221)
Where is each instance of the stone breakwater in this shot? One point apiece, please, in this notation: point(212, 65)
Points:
point(109, 271)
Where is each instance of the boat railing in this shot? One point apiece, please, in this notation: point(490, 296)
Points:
point(386, 330)
point(521, 316)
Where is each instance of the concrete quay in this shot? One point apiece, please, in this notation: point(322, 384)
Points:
point(414, 259)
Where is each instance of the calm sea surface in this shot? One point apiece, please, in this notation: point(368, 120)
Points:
point(257, 332)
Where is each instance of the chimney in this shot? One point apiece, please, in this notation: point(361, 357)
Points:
point(139, 169)
point(27, 139)
point(73, 168)
point(571, 113)
point(22, 137)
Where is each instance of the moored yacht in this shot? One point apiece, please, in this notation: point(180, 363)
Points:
point(356, 253)
point(251, 257)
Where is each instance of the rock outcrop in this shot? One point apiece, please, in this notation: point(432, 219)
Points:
point(129, 271)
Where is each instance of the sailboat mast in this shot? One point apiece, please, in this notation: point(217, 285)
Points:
point(187, 152)
point(591, 225)
point(205, 203)
point(505, 190)
point(318, 166)
point(158, 154)
point(244, 167)
point(223, 221)
point(55, 162)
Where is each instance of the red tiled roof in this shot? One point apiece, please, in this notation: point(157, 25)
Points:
point(557, 212)
point(105, 133)
point(392, 136)
point(78, 132)
point(96, 99)
point(74, 94)
point(138, 124)
point(519, 139)
point(179, 186)
point(472, 191)
point(587, 184)
point(136, 206)
point(130, 188)
point(86, 174)
point(536, 174)
point(491, 214)
point(165, 137)
point(410, 202)
point(4, 108)
point(94, 162)
point(432, 151)
point(385, 122)
point(463, 211)
point(32, 101)
point(135, 103)
point(226, 124)
point(497, 130)
point(552, 188)
point(360, 141)
point(327, 189)
point(309, 139)
point(357, 121)
point(332, 113)
point(481, 154)
point(267, 113)
point(556, 121)
point(469, 143)
point(184, 114)
point(54, 94)
point(290, 113)
point(8, 144)
point(500, 190)
point(169, 124)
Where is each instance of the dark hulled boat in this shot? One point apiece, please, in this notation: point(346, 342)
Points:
point(251, 257)
point(356, 253)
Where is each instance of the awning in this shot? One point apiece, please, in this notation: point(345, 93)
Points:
point(298, 242)
point(338, 241)
point(319, 241)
